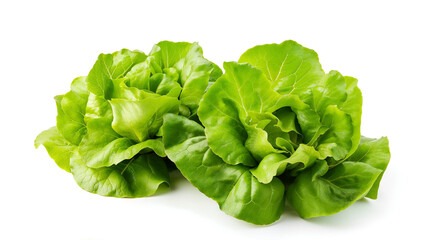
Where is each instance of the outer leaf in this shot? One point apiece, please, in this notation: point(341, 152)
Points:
point(138, 177)
point(237, 192)
point(140, 120)
point(353, 107)
point(275, 164)
point(103, 147)
point(319, 192)
point(254, 202)
point(58, 148)
point(376, 153)
point(291, 67)
point(226, 105)
point(109, 67)
point(71, 110)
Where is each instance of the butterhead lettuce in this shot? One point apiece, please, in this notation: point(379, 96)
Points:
point(108, 126)
point(275, 126)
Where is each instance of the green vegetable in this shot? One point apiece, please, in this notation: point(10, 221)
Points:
point(276, 125)
point(108, 126)
point(273, 128)
point(58, 148)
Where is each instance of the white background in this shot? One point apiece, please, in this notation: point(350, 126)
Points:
point(44, 45)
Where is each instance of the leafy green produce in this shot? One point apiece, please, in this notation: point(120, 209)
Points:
point(108, 126)
point(276, 127)
point(273, 128)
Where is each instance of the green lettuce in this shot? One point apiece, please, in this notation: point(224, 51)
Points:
point(275, 126)
point(108, 126)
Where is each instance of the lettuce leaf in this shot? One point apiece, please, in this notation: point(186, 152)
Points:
point(57, 146)
point(376, 153)
point(233, 187)
point(292, 68)
point(140, 176)
point(321, 191)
